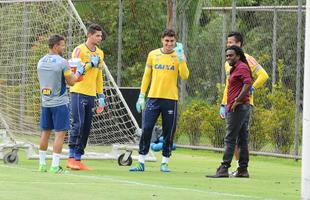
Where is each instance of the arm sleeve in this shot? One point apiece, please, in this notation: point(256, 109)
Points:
point(183, 70)
point(258, 72)
point(76, 53)
point(147, 74)
point(246, 76)
point(224, 99)
point(227, 72)
point(65, 68)
point(101, 60)
point(99, 84)
point(146, 78)
point(262, 77)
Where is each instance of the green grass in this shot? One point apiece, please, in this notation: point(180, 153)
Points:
point(271, 178)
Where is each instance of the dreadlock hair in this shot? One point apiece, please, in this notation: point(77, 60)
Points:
point(240, 53)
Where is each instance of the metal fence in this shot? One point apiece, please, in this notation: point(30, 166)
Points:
point(273, 35)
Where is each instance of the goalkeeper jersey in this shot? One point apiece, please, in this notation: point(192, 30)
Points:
point(92, 82)
point(161, 73)
point(52, 70)
point(258, 72)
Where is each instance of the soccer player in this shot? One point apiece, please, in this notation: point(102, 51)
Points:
point(238, 113)
point(83, 95)
point(259, 73)
point(163, 66)
point(54, 72)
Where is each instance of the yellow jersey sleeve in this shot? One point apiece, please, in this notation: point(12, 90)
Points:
point(92, 82)
point(258, 72)
point(99, 84)
point(183, 71)
point(227, 73)
point(147, 74)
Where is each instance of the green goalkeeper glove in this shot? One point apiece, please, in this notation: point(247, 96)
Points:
point(140, 105)
point(179, 51)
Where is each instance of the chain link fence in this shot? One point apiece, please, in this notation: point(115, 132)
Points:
point(273, 35)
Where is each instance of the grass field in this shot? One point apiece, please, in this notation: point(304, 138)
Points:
point(271, 178)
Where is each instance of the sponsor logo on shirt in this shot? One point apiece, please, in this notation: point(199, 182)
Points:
point(164, 67)
point(46, 91)
point(49, 60)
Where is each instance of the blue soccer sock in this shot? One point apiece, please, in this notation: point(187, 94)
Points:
point(71, 152)
point(77, 156)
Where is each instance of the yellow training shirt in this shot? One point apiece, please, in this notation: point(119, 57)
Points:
point(92, 82)
point(162, 71)
point(260, 76)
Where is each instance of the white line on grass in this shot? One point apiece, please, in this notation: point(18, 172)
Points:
point(113, 179)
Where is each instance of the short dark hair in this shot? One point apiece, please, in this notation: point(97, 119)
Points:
point(54, 39)
point(169, 33)
point(237, 36)
point(96, 27)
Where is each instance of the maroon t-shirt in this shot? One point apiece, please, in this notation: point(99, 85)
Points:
point(240, 74)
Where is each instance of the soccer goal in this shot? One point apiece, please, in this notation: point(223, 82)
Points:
point(25, 26)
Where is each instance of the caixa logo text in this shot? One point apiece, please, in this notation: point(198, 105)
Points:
point(167, 67)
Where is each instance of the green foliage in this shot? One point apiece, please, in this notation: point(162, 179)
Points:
point(204, 70)
point(142, 27)
point(258, 122)
point(281, 116)
point(200, 119)
point(214, 127)
point(191, 119)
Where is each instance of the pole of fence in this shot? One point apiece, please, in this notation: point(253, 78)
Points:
point(298, 68)
point(233, 15)
point(274, 47)
point(171, 14)
point(224, 35)
point(70, 35)
point(119, 41)
point(184, 42)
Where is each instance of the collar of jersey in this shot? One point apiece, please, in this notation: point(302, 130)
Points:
point(89, 48)
point(164, 52)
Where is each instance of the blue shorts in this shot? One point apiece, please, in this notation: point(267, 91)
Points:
point(55, 118)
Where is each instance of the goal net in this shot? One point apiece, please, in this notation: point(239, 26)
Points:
point(25, 26)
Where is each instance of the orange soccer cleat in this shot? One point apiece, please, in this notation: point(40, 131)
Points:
point(72, 164)
point(82, 166)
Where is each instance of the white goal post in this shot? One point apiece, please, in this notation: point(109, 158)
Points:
point(305, 174)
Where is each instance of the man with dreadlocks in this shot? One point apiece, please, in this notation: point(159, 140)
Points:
point(238, 113)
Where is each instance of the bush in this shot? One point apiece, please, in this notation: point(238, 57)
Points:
point(199, 119)
point(191, 119)
point(257, 132)
point(214, 127)
point(280, 118)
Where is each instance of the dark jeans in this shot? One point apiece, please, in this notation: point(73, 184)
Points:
point(168, 110)
point(82, 114)
point(237, 127)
